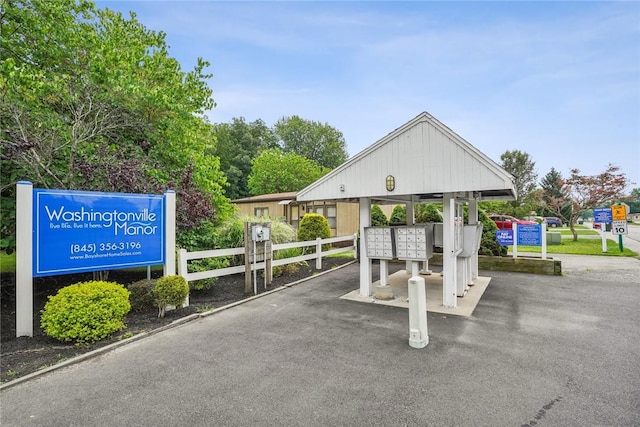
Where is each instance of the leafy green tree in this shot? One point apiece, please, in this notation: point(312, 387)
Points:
point(316, 141)
point(587, 192)
point(378, 218)
point(399, 215)
point(93, 101)
point(237, 144)
point(428, 212)
point(554, 200)
point(634, 200)
point(520, 165)
point(275, 171)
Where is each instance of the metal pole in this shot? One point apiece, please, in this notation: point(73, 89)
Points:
point(255, 269)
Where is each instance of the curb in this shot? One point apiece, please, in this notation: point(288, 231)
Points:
point(175, 323)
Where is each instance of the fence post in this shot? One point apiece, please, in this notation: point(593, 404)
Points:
point(319, 254)
point(182, 264)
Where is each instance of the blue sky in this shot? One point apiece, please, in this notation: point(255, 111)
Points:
point(557, 80)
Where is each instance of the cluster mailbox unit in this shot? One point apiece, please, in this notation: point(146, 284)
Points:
point(412, 243)
point(417, 243)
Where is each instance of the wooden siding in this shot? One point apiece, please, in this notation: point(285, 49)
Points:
point(424, 157)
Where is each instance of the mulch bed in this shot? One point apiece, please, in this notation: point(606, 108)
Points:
point(24, 355)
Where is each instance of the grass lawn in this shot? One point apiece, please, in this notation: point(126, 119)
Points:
point(581, 247)
point(580, 231)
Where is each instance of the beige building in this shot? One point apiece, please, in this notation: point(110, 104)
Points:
point(343, 217)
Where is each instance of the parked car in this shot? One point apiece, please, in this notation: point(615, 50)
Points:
point(580, 221)
point(505, 222)
point(553, 221)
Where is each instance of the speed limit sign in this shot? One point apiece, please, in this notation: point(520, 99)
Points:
point(619, 227)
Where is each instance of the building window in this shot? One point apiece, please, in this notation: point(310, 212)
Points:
point(260, 212)
point(295, 216)
point(330, 214)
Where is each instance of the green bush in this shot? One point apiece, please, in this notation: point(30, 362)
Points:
point(399, 215)
point(378, 218)
point(85, 312)
point(287, 269)
point(428, 212)
point(170, 290)
point(141, 295)
point(311, 227)
point(488, 243)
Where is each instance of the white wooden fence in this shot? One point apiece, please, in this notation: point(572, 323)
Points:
point(184, 257)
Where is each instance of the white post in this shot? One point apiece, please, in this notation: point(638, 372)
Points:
point(603, 227)
point(473, 219)
point(411, 220)
point(24, 259)
point(365, 262)
point(418, 332)
point(448, 253)
point(170, 230)
point(318, 254)
point(543, 228)
point(182, 263)
point(384, 272)
point(514, 227)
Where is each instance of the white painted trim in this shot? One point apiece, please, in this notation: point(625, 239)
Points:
point(24, 259)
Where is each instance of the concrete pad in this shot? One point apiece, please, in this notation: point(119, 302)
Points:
point(399, 283)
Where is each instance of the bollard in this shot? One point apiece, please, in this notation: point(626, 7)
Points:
point(418, 334)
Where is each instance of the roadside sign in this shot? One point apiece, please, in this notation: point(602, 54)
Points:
point(619, 227)
point(618, 213)
point(530, 235)
point(602, 215)
point(504, 237)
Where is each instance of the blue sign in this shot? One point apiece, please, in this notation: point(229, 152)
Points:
point(77, 231)
point(602, 215)
point(530, 235)
point(504, 237)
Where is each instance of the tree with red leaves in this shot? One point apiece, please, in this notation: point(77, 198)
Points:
point(588, 192)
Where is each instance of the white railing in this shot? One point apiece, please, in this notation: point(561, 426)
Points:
point(184, 257)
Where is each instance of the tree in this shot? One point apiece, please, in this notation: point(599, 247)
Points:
point(634, 200)
point(399, 215)
point(93, 101)
point(554, 199)
point(319, 142)
point(378, 218)
point(237, 144)
point(522, 168)
point(588, 192)
point(275, 171)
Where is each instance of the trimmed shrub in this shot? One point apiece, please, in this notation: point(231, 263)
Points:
point(399, 215)
point(428, 212)
point(311, 227)
point(378, 218)
point(170, 290)
point(85, 312)
point(141, 295)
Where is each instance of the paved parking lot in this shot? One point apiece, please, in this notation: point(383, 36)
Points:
point(537, 350)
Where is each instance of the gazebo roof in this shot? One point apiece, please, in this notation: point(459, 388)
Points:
point(425, 158)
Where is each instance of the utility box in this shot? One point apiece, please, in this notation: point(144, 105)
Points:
point(260, 233)
point(472, 234)
point(438, 235)
point(554, 238)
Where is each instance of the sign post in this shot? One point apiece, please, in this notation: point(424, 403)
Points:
point(619, 223)
point(603, 216)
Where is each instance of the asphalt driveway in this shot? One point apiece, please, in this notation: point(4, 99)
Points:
point(538, 350)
